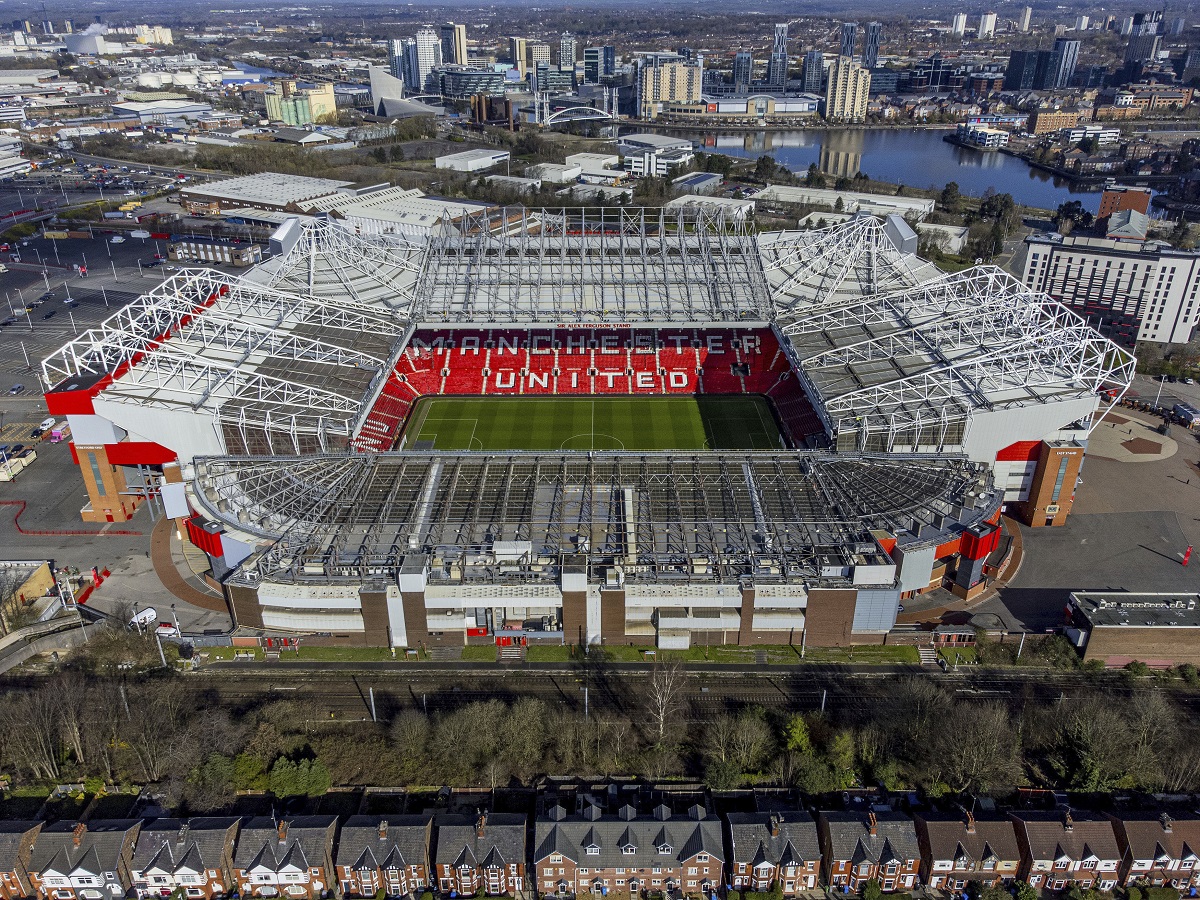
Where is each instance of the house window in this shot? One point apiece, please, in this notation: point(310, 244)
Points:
point(593, 851)
point(629, 850)
point(701, 857)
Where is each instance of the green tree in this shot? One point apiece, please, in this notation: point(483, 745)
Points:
point(872, 890)
point(796, 736)
point(840, 754)
point(1025, 891)
point(764, 169)
point(950, 198)
point(815, 177)
point(249, 773)
point(210, 785)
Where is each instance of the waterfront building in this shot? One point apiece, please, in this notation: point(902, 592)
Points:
point(870, 57)
point(743, 69)
point(847, 91)
point(566, 52)
point(598, 62)
point(1065, 57)
point(454, 43)
point(777, 65)
point(814, 71)
point(662, 80)
point(422, 54)
point(849, 38)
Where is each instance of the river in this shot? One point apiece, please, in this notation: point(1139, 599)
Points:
point(915, 157)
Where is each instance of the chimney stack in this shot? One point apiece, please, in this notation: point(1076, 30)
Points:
point(282, 830)
point(774, 826)
point(970, 824)
point(1166, 822)
point(1068, 822)
point(872, 824)
point(77, 834)
point(383, 830)
point(480, 825)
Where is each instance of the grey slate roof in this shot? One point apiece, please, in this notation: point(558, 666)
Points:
point(850, 838)
point(654, 838)
point(12, 834)
point(949, 838)
point(303, 845)
point(174, 844)
point(99, 847)
point(1150, 836)
point(1053, 834)
point(502, 844)
point(383, 842)
point(751, 841)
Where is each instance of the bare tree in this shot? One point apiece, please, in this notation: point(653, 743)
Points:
point(664, 697)
point(31, 722)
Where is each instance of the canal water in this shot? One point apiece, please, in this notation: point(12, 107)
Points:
point(918, 158)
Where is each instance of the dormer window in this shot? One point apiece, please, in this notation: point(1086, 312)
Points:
point(593, 850)
point(629, 849)
point(665, 849)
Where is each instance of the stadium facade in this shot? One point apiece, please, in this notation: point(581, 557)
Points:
point(268, 413)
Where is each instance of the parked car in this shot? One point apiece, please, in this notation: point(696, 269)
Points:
point(51, 314)
point(16, 448)
point(16, 389)
point(166, 629)
point(35, 434)
point(117, 239)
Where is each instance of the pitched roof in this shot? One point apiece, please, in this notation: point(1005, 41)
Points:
point(1053, 834)
point(950, 838)
point(795, 840)
point(99, 847)
point(503, 841)
point(850, 837)
point(1150, 836)
point(383, 842)
point(628, 839)
point(12, 835)
point(175, 844)
point(303, 844)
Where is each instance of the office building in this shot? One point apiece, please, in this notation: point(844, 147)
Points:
point(1081, 23)
point(461, 84)
point(987, 26)
point(396, 57)
point(1065, 56)
point(422, 54)
point(846, 94)
point(814, 71)
point(516, 53)
point(1142, 48)
point(874, 37)
point(566, 52)
point(849, 38)
point(1178, 25)
point(599, 62)
point(1137, 292)
point(1025, 20)
point(777, 65)
point(663, 80)
point(959, 25)
point(454, 44)
point(537, 53)
point(743, 69)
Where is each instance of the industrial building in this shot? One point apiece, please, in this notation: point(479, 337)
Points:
point(267, 412)
point(471, 160)
point(1117, 628)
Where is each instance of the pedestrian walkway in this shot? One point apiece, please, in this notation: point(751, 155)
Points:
point(1128, 439)
point(169, 574)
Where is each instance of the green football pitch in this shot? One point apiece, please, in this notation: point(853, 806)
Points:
point(592, 423)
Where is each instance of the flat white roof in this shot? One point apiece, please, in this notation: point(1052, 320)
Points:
point(268, 187)
point(468, 155)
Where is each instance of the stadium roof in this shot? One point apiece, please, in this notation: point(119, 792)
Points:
point(905, 369)
point(643, 265)
point(260, 360)
point(809, 270)
point(661, 516)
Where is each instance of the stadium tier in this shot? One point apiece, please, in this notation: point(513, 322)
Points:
point(565, 425)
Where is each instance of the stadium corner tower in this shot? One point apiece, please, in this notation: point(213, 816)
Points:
point(283, 419)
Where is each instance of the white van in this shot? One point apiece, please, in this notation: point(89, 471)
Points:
point(48, 424)
point(144, 618)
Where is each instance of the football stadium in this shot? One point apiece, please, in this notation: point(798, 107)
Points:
point(588, 426)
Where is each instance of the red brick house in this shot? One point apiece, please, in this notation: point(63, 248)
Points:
point(1060, 848)
point(1158, 849)
point(773, 848)
point(858, 847)
point(78, 861)
point(485, 856)
point(16, 847)
point(193, 856)
point(292, 858)
point(956, 849)
point(593, 852)
point(389, 854)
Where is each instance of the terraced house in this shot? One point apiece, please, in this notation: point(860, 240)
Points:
point(193, 856)
point(485, 856)
point(597, 853)
point(958, 848)
point(1159, 849)
point(384, 854)
point(16, 846)
point(1059, 848)
point(774, 848)
point(290, 858)
point(78, 861)
point(858, 847)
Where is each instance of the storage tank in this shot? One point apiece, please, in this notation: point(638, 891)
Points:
point(151, 80)
point(186, 79)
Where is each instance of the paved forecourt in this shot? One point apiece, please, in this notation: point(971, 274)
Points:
point(592, 423)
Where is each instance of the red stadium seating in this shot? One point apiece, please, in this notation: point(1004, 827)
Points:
point(589, 361)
